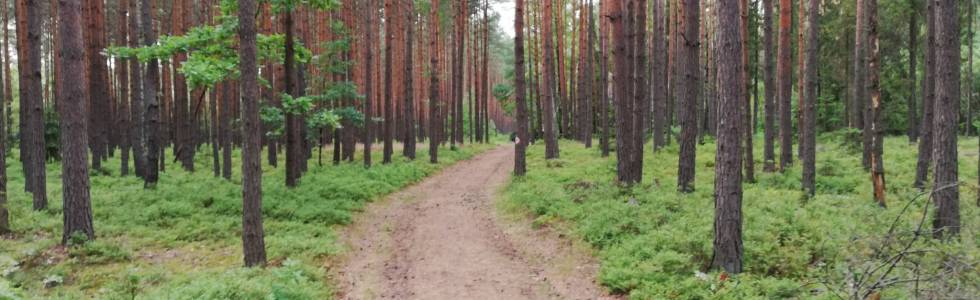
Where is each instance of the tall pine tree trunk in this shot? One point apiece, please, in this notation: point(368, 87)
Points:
point(769, 80)
point(31, 102)
point(808, 142)
point(659, 65)
point(151, 110)
point(98, 89)
point(686, 87)
point(253, 236)
point(409, 111)
point(548, 103)
point(728, 249)
point(369, 28)
point(928, 97)
point(784, 76)
point(74, 135)
point(945, 189)
point(434, 103)
point(520, 163)
point(749, 124)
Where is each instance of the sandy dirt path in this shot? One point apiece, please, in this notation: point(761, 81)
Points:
point(444, 239)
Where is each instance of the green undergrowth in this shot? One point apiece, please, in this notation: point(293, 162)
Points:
point(181, 240)
point(656, 243)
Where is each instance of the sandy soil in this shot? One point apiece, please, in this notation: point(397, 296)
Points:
point(444, 239)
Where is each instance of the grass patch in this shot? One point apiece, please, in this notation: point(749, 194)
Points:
point(181, 240)
point(656, 243)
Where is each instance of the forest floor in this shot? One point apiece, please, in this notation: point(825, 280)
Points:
point(182, 240)
point(445, 238)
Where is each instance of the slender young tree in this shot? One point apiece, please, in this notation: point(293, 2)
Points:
point(928, 95)
point(253, 235)
point(548, 100)
point(292, 88)
point(875, 114)
point(8, 96)
point(769, 80)
point(808, 142)
point(4, 212)
point(728, 247)
point(945, 189)
point(686, 87)
point(912, 122)
point(74, 137)
point(31, 112)
point(520, 163)
point(784, 77)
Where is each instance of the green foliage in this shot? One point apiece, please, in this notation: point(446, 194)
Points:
point(212, 54)
point(654, 243)
point(182, 240)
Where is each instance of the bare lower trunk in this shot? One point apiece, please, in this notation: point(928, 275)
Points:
point(728, 159)
point(945, 190)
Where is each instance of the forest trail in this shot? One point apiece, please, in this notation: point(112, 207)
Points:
point(443, 239)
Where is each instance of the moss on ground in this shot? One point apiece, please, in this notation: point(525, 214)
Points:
point(654, 243)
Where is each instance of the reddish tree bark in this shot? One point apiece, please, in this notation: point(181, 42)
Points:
point(784, 84)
